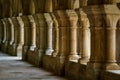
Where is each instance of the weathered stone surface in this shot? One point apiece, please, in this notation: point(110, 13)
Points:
point(18, 36)
point(12, 68)
point(49, 27)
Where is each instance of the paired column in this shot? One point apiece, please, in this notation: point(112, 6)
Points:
point(18, 35)
point(56, 36)
point(16, 30)
point(7, 34)
point(103, 38)
point(85, 41)
point(4, 31)
point(11, 31)
point(42, 32)
point(21, 31)
point(73, 19)
point(11, 40)
point(32, 32)
point(63, 36)
point(1, 32)
point(27, 36)
point(49, 22)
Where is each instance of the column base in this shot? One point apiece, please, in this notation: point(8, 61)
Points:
point(32, 47)
point(49, 51)
point(54, 54)
point(73, 58)
point(111, 66)
point(83, 60)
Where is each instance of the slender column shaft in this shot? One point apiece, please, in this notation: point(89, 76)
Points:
point(73, 18)
point(111, 49)
point(111, 45)
point(11, 31)
point(32, 30)
point(85, 45)
point(63, 33)
point(1, 32)
point(56, 36)
point(4, 32)
point(49, 33)
point(33, 34)
point(21, 30)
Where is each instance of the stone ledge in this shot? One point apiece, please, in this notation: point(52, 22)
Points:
point(110, 75)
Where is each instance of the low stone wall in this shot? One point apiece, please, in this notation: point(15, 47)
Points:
point(75, 71)
point(54, 64)
point(110, 75)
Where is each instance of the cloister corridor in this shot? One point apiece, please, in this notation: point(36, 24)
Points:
point(60, 39)
point(13, 68)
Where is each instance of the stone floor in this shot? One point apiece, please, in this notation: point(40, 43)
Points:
point(12, 68)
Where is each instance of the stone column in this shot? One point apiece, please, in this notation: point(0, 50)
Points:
point(73, 19)
point(102, 39)
point(16, 25)
point(111, 44)
point(11, 40)
point(29, 25)
point(33, 32)
point(63, 33)
point(21, 31)
point(85, 41)
point(37, 32)
point(42, 29)
point(4, 35)
point(11, 31)
point(40, 38)
point(27, 39)
point(1, 33)
point(4, 31)
point(40, 32)
point(49, 22)
point(56, 36)
point(42, 35)
point(18, 36)
point(7, 34)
